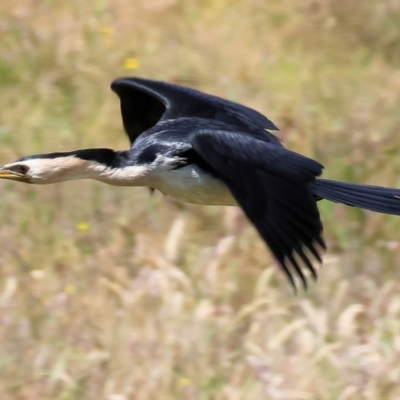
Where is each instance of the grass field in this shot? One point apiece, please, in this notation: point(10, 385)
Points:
point(107, 293)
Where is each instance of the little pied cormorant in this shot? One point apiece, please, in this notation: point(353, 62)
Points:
point(203, 149)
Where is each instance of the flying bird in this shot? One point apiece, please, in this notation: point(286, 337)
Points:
point(203, 149)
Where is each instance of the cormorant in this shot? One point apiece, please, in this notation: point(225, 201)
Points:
point(203, 149)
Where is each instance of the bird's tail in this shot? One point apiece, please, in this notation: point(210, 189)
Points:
point(374, 198)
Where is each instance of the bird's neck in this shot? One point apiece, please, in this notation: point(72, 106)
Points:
point(111, 167)
point(105, 165)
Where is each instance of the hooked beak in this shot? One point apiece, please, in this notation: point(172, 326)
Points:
point(15, 176)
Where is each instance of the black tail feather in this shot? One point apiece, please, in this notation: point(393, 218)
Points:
point(374, 198)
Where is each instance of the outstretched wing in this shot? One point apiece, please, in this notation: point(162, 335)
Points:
point(145, 102)
point(271, 184)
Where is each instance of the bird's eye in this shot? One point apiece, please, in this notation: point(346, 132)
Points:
point(22, 169)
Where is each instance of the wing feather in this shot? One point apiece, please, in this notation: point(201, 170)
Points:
point(145, 102)
point(271, 184)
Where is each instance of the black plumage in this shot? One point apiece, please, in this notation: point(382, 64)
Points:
point(144, 103)
point(276, 188)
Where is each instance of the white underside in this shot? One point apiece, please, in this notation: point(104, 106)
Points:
point(190, 184)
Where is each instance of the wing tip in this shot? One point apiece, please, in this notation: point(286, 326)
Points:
point(293, 269)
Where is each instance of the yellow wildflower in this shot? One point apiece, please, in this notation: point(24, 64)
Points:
point(131, 63)
point(83, 226)
point(106, 31)
point(184, 381)
point(70, 289)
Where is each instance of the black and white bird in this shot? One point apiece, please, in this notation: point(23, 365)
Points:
point(203, 149)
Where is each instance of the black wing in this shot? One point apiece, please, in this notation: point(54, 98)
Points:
point(145, 102)
point(271, 184)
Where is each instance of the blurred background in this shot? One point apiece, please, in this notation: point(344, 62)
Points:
point(107, 293)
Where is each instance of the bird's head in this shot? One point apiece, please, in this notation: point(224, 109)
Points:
point(45, 168)
point(15, 171)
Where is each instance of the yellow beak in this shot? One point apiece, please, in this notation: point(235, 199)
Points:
point(15, 176)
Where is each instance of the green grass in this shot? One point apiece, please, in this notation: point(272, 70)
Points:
point(107, 293)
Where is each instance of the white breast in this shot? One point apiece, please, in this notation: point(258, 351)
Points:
point(190, 184)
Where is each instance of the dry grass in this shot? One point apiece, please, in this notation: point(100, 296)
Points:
point(106, 293)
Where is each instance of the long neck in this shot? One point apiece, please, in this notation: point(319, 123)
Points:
point(105, 165)
point(109, 166)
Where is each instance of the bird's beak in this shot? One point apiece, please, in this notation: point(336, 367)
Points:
point(15, 176)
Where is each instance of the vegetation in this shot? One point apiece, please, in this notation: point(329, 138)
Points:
point(107, 293)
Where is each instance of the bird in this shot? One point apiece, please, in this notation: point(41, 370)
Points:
point(202, 149)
